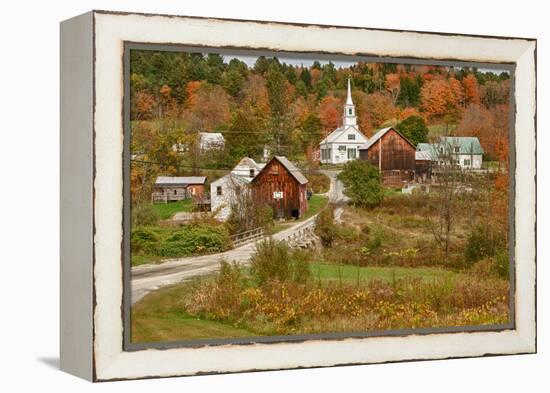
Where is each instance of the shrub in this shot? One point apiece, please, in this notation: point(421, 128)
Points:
point(144, 240)
point(483, 241)
point(362, 182)
point(274, 260)
point(195, 239)
point(325, 227)
point(144, 214)
point(318, 182)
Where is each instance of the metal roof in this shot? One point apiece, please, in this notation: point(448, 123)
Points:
point(422, 155)
point(295, 172)
point(466, 144)
point(379, 134)
point(179, 180)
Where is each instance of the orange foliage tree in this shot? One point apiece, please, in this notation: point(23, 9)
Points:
point(330, 111)
point(471, 89)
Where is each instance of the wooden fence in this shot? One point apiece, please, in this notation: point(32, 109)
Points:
point(241, 238)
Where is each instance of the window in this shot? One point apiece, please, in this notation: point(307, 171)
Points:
point(325, 154)
point(351, 137)
point(342, 148)
point(457, 149)
point(193, 191)
point(352, 154)
point(275, 169)
point(218, 190)
point(467, 162)
point(350, 111)
point(175, 192)
point(252, 172)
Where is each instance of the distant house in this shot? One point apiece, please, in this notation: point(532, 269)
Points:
point(342, 144)
point(207, 141)
point(223, 193)
point(462, 151)
point(392, 154)
point(177, 188)
point(282, 186)
point(247, 168)
point(211, 141)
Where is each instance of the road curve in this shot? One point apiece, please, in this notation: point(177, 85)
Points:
point(147, 278)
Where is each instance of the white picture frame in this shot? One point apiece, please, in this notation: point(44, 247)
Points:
point(92, 195)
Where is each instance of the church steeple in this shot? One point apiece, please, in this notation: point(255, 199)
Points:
point(349, 118)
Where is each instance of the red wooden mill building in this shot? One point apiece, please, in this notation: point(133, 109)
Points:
point(281, 185)
point(392, 154)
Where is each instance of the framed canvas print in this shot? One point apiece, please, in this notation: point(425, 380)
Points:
point(247, 195)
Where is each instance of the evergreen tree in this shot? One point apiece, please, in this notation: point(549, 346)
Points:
point(414, 129)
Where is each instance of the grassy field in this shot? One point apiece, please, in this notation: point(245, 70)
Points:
point(328, 271)
point(160, 315)
point(167, 210)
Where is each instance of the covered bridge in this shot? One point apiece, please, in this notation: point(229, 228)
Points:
point(283, 187)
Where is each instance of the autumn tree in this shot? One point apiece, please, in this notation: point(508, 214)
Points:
point(330, 112)
point(438, 100)
point(381, 108)
point(393, 85)
point(471, 89)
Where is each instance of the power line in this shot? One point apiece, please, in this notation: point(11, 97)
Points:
point(146, 162)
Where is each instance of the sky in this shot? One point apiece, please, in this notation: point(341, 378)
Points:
point(297, 61)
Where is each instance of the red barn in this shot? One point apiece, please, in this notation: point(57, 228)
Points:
point(282, 186)
point(392, 154)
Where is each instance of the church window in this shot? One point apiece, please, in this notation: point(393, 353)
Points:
point(351, 137)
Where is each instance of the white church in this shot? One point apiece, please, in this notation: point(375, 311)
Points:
point(342, 144)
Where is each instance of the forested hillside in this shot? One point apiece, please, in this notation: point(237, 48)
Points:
point(291, 108)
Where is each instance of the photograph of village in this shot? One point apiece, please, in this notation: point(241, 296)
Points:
point(278, 195)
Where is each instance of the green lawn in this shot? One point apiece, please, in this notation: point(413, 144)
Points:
point(327, 271)
point(167, 210)
point(160, 317)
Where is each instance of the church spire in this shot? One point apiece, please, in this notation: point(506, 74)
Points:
point(349, 100)
point(349, 118)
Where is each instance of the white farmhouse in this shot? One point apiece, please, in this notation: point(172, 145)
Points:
point(463, 151)
point(223, 193)
point(247, 168)
point(342, 144)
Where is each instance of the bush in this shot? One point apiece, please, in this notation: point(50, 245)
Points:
point(318, 182)
point(144, 240)
point(144, 214)
point(195, 239)
point(325, 227)
point(483, 241)
point(362, 182)
point(275, 261)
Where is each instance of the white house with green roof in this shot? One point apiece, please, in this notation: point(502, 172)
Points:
point(464, 151)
